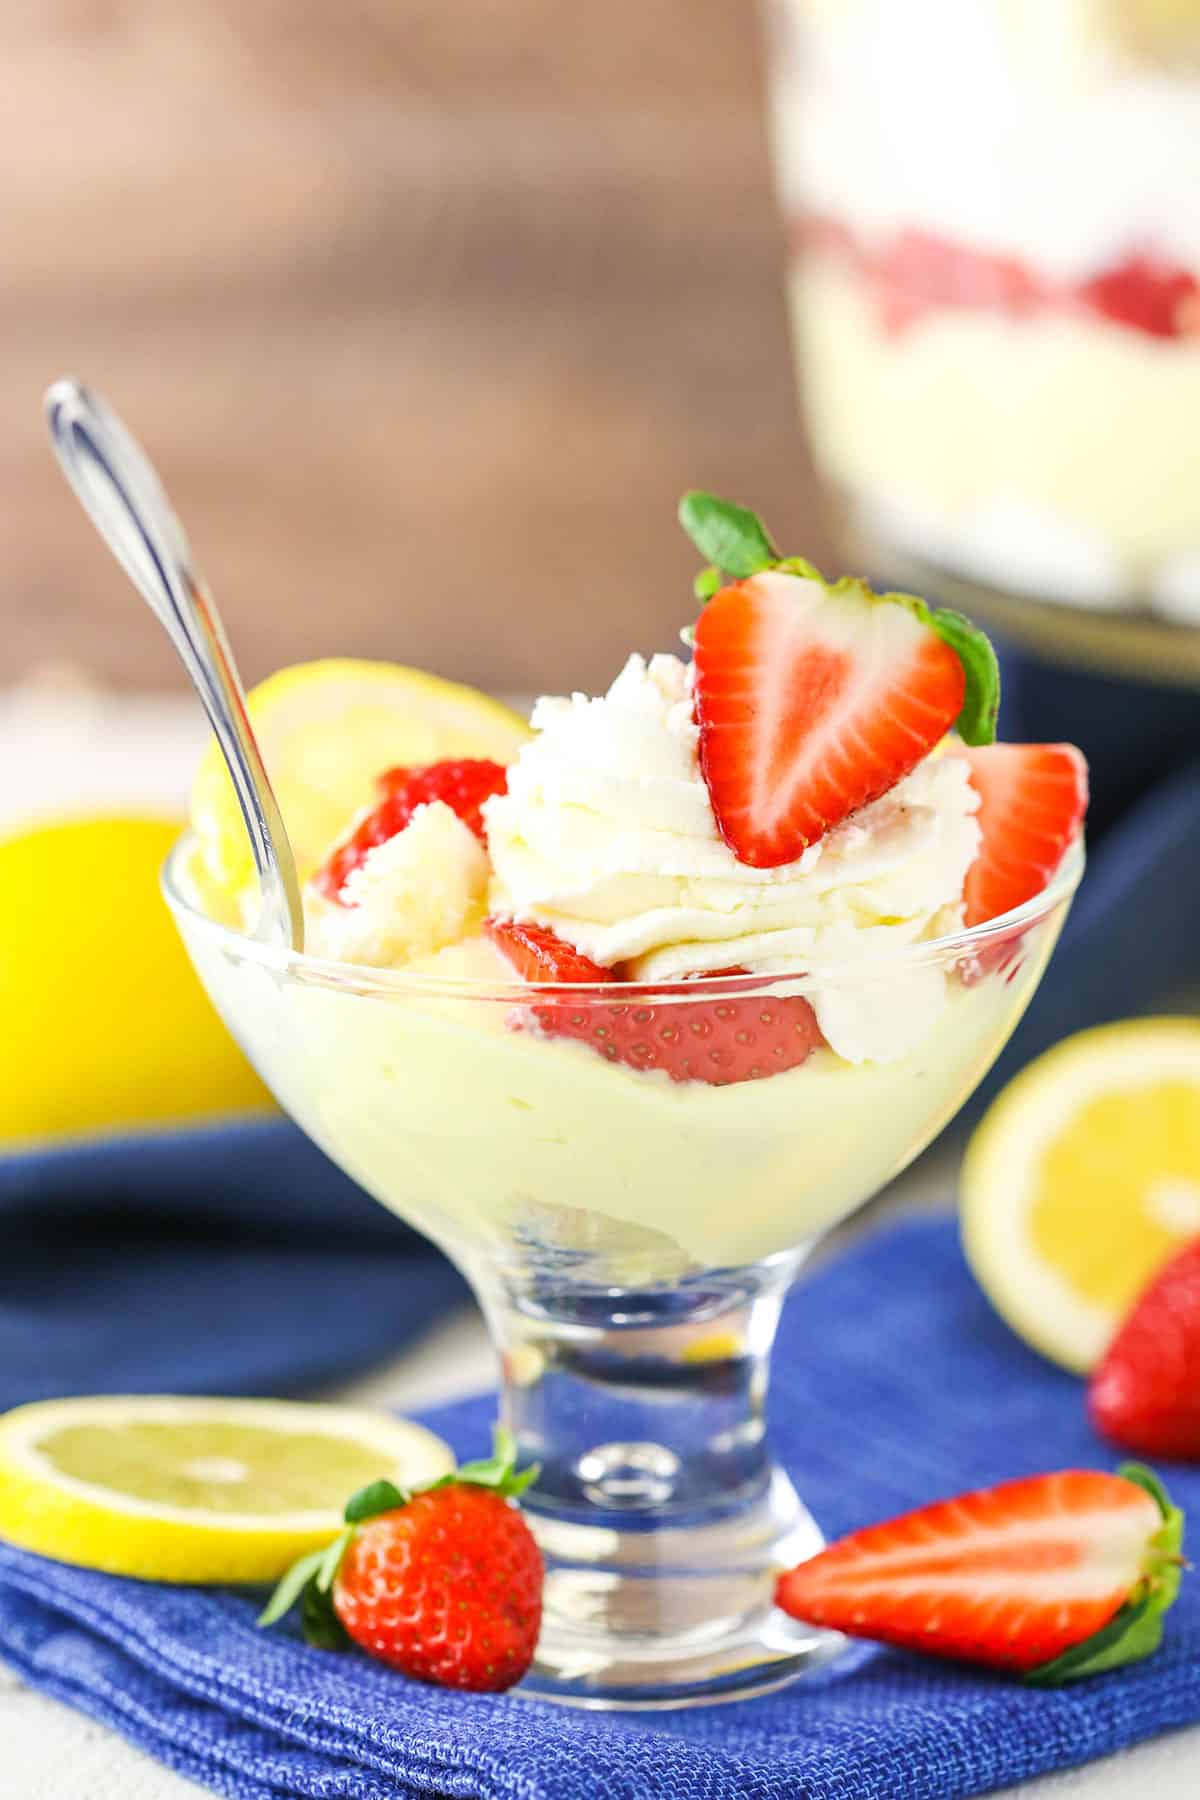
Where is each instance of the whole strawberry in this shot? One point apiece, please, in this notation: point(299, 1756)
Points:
point(443, 1583)
point(1145, 1394)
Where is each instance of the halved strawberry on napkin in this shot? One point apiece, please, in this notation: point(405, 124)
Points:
point(1050, 1576)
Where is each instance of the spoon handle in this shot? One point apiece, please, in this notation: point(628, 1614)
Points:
point(125, 501)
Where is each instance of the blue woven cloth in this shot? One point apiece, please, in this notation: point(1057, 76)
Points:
point(232, 1260)
point(933, 1396)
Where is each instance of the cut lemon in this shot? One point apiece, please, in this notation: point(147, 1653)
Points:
point(106, 1026)
point(326, 730)
point(1081, 1181)
point(189, 1490)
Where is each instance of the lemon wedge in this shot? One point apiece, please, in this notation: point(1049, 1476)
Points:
point(327, 729)
point(1082, 1179)
point(172, 1489)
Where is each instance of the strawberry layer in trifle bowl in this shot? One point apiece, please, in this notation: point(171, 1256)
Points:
point(626, 1015)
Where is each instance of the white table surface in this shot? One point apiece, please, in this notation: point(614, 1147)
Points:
point(143, 751)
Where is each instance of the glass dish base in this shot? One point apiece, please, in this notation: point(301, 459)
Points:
point(674, 1616)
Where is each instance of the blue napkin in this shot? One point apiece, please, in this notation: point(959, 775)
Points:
point(936, 1397)
point(233, 1260)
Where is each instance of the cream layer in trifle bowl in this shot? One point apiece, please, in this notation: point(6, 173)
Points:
point(572, 1033)
point(996, 283)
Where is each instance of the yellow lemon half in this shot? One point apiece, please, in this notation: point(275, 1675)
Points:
point(175, 1489)
point(327, 730)
point(1081, 1181)
point(105, 1023)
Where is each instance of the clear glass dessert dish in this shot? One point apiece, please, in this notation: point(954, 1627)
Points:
point(995, 289)
point(631, 1237)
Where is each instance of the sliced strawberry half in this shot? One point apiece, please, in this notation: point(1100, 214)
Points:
point(720, 1039)
point(811, 702)
point(537, 954)
point(1052, 1575)
point(463, 786)
point(1032, 798)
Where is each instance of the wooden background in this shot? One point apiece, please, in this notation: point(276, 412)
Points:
point(426, 309)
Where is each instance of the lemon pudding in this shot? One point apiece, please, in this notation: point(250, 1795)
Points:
point(679, 976)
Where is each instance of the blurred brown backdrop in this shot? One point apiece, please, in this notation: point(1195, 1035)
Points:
point(427, 313)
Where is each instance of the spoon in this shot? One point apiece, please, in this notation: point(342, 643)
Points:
point(119, 490)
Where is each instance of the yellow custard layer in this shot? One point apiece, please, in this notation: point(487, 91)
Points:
point(529, 1149)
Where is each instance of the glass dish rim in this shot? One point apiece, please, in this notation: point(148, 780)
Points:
point(320, 971)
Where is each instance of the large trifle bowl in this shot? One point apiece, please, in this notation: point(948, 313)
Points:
point(995, 289)
point(631, 1233)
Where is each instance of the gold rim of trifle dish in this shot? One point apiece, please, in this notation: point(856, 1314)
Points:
point(320, 971)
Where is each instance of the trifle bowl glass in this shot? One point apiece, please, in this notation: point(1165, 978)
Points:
point(994, 283)
point(631, 1237)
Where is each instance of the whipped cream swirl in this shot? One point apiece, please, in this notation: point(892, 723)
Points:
point(606, 835)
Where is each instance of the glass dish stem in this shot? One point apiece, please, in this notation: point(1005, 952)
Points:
point(659, 1510)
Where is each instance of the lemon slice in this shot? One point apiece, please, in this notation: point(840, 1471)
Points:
point(327, 729)
point(1082, 1179)
point(195, 1490)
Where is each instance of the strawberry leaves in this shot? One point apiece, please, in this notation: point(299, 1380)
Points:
point(309, 1582)
point(499, 1470)
point(291, 1587)
point(322, 1628)
point(737, 545)
point(376, 1497)
point(731, 538)
point(1137, 1629)
point(976, 723)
